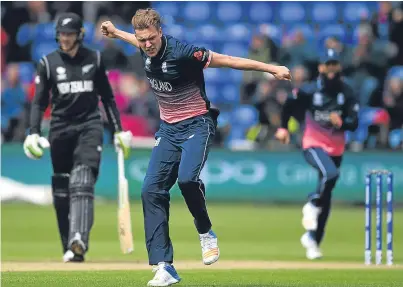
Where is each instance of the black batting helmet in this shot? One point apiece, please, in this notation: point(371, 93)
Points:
point(70, 23)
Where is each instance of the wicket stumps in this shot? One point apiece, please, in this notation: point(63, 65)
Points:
point(379, 209)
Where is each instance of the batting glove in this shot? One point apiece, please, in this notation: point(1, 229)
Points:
point(34, 145)
point(123, 140)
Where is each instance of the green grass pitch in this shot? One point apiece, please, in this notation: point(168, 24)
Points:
point(246, 233)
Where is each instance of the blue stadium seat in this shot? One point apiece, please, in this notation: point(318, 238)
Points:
point(222, 76)
point(244, 116)
point(128, 49)
point(236, 133)
point(176, 31)
point(332, 30)
point(45, 32)
point(27, 71)
point(126, 28)
point(235, 75)
point(234, 49)
point(290, 12)
point(190, 35)
point(197, 11)
point(208, 33)
point(261, 12)
point(212, 93)
point(229, 93)
point(166, 8)
point(223, 119)
point(229, 12)
point(324, 12)
point(40, 49)
point(374, 5)
point(25, 34)
point(396, 138)
point(353, 11)
point(207, 45)
point(306, 29)
point(211, 75)
point(237, 33)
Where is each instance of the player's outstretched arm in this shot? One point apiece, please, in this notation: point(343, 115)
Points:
point(109, 30)
point(226, 61)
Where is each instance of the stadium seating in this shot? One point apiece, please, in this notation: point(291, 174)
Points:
point(324, 12)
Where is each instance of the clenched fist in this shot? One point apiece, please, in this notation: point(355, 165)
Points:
point(108, 29)
point(281, 73)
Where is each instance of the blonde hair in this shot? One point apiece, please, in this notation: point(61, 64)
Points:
point(145, 18)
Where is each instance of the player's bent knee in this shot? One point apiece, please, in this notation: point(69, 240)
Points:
point(60, 184)
point(82, 181)
point(183, 183)
point(333, 175)
point(186, 184)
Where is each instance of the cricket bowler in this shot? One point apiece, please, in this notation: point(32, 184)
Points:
point(330, 109)
point(75, 76)
point(175, 72)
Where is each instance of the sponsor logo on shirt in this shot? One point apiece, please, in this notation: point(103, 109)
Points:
point(75, 87)
point(160, 86)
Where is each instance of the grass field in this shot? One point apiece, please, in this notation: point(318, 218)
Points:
point(259, 247)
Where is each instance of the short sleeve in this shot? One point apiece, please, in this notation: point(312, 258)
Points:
point(197, 56)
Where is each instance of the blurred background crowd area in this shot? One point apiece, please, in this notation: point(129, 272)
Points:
point(367, 34)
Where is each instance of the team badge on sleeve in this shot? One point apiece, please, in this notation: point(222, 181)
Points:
point(199, 55)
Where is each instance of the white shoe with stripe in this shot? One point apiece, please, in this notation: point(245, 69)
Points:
point(210, 250)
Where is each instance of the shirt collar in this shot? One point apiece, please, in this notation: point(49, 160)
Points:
point(164, 45)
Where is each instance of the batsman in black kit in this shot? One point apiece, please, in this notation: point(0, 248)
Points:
point(75, 75)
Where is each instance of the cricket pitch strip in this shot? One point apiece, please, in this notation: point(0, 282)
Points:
point(186, 265)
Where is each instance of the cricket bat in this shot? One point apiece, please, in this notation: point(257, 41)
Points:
point(124, 219)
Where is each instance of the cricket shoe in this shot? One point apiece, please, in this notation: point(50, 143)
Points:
point(77, 245)
point(310, 216)
point(69, 256)
point(210, 250)
point(165, 275)
point(312, 248)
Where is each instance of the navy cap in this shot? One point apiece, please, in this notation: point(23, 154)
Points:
point(329, 55)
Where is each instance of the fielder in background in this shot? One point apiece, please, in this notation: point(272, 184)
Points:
point(76, 76)
point(175, 72)
point(330, 109)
